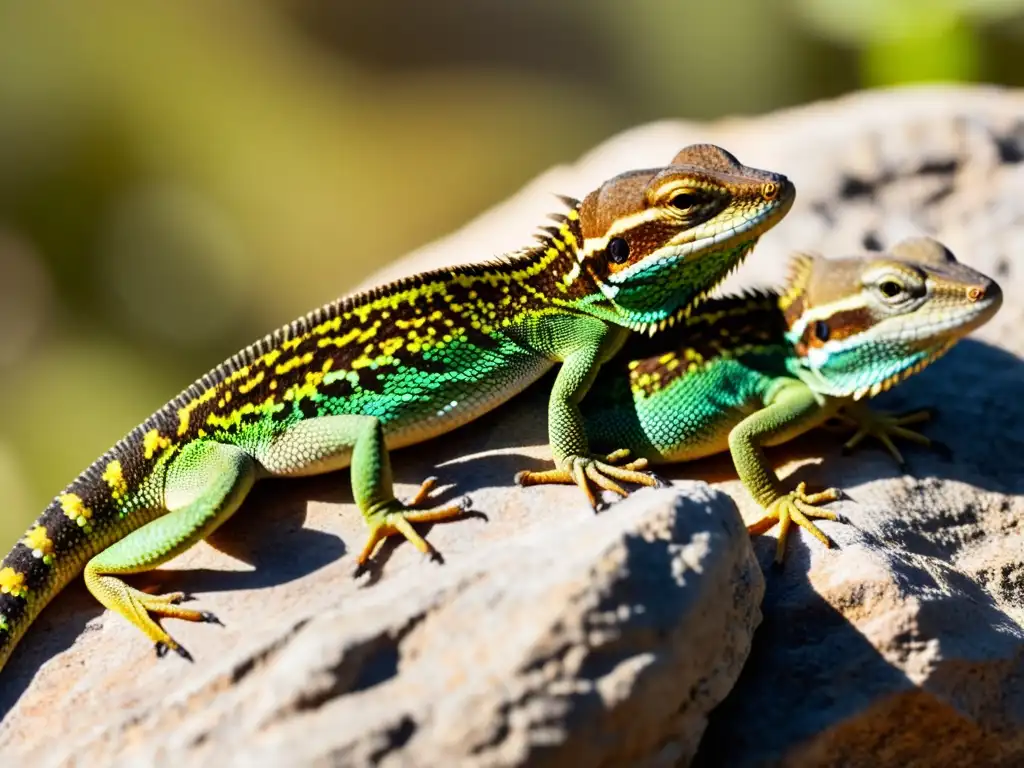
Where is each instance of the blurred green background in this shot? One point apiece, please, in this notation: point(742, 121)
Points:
point(178, 178)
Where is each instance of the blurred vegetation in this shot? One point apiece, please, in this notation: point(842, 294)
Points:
point(176, 179)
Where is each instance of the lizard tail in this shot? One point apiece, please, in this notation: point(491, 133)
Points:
point(90, 514)
point(31, 574)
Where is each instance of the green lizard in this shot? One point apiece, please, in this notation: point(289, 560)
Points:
point(391, 367)
point(757, 370)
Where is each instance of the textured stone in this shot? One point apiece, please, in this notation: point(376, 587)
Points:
point(580, 639)
point(555, 637)
point(904, 646)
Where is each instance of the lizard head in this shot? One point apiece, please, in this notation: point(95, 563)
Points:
point(655, 241)
point(859, 325)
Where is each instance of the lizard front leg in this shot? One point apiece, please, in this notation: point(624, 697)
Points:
point(574, 464)
point(319, 444)
point(789, 411)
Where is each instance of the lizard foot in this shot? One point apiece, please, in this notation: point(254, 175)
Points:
point(885, 426)
point(588, 471)
point(801, 508)
point(169, 607)
point(395, 518)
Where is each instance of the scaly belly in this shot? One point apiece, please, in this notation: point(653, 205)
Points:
point(415, 397)
point(453, 406)
point(412, 408)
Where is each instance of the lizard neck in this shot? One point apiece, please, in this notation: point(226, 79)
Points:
point(549, 276)
point(554, 276)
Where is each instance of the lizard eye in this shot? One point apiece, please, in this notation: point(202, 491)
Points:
point(685, 200)
point(618, 251)
point(890, 289)
point(821, 331)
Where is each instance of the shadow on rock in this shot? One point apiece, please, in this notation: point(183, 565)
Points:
point(978, 393)
point(817, 691)
point(908, 581)
point(809, 669)
point(269, 534)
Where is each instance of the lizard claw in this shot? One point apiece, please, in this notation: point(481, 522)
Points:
point(162, 648)
point(395, 518)
point(800, 507)
point(659, 481)
point(435, 557)
point(588, 471)
point(362, 569)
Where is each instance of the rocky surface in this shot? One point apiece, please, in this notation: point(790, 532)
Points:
point(556, 638)
point(553, 637)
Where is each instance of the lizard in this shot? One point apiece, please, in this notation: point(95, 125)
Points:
point(394, 366)
point(758, 369)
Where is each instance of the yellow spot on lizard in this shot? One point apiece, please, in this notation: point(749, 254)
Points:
point(12, 582)
point(114, 477)
point(247, 387)
point(185, 413)
point(152, 442)
point(271, 357)
point(392, 345)
point(334, 324)
point(74, 507)
point(39, 542)
point(241, 373)
point(291, 363)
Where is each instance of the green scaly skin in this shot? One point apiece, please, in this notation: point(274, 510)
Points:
point(398, 365)
point(757, 370)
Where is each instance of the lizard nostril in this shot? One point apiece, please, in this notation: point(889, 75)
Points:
point(975, 294)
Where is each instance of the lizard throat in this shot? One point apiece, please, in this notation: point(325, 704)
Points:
point(676, 299)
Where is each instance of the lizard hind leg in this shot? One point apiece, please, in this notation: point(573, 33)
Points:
point(205, 484)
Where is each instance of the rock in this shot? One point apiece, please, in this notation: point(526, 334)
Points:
point(552, 636)
point(904, 646)
point(584, 641)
